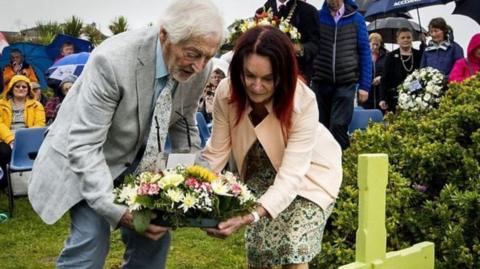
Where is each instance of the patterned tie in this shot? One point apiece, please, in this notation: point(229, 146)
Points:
point(158, 129)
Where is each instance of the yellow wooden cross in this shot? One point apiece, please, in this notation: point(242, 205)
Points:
point(371, 242)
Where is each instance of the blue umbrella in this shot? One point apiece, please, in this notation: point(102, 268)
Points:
point(80, 45)
point(69, 65)
point(34, 54)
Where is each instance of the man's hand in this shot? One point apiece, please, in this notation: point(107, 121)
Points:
point(16, 67)
point(383, 105)
point(362, 96)
point(153, 232)
point(229, 226)
point(376, 81)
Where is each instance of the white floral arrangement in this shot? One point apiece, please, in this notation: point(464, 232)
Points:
point(265, 18)
point(175, 196)
point(421, 90)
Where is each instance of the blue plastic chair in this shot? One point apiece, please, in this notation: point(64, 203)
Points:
point(203, 128)
point(24, 152)
point(361, 118)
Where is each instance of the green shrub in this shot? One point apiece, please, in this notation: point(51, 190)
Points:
point(438, 150)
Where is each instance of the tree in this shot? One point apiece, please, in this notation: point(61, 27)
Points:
point(118, 25)
point(46, 32)
point(93, 34)
point(73, 26)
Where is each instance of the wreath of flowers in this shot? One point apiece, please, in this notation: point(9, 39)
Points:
point(421, 90)
point(181, 194)
point(265, 18)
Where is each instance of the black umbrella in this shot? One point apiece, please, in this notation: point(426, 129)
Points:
point(387, 28)
point(388, 6)
point(363, 6)
point(470, 8)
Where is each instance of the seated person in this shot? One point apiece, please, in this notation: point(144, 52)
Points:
point(18, 109)
point(37, 92)
point(17, 66)
point(66, 49)
point(53, 105)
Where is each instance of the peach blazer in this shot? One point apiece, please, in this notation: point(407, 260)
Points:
point(308, 162)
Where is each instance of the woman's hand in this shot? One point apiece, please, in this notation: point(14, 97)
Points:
point(376, 81)
point(228, 227)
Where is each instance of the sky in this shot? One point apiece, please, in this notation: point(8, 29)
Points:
point(23, 14)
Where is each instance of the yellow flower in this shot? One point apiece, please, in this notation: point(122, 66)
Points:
point(200, 173)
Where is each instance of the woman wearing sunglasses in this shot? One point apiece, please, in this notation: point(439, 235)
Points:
point(18, 109)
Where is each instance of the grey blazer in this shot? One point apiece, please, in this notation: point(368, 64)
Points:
point(102, 124)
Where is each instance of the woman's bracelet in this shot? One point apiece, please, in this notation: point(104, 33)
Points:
point(255, 215)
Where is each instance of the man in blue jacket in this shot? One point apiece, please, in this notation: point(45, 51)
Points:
point(343, 61)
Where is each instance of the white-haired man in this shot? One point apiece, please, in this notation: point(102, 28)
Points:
point(103, 128)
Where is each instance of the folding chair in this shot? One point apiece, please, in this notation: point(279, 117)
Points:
point(203, 128)
point(361, 118)
point(24, 151)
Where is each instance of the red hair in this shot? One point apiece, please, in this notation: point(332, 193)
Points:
point(272, 43)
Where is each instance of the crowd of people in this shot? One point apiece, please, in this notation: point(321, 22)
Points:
point(280, 111)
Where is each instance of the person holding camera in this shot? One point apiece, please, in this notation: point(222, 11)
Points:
point(205, 105)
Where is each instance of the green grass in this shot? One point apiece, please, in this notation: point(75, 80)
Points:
point(26, 242)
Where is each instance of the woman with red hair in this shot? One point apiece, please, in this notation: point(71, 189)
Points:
point(267, 118)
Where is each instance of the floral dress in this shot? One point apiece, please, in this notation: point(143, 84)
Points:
point(295, 236)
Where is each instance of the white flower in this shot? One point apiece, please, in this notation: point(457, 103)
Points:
point(245, 195)
point(170, 180)
point(230, 177)
point(148, 177)
point(264, 22)
point(294, 33)
point(128, 195)
point(220, 188)
point(175, 195)
point(189, 201)
point(251, 24)
point(427, 97)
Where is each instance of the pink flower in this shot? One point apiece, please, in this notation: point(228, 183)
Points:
point(148, 189)
point(192, 183)
point(236, 189)
point(154, 189)
point(143, 189)
point(206, 186)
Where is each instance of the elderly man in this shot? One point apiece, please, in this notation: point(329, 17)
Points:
point(17, 66)
point(343, 60)
point(104, 130)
